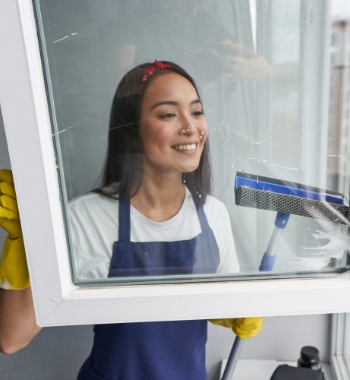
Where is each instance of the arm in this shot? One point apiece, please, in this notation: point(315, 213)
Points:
point(17, 318)
point(228, 256)
point(240, 62)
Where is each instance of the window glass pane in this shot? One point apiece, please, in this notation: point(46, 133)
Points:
point(144, 197)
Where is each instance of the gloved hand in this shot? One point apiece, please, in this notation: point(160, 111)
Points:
point(13, 264)
point(244, 328)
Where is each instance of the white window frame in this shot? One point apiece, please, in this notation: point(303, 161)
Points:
point(340, 327)
point(57, 300)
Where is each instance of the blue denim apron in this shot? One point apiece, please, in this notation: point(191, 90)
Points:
point(154, 350)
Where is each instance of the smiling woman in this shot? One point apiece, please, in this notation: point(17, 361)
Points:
point(152, 216)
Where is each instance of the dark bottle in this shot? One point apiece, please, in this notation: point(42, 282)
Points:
point(310, 358)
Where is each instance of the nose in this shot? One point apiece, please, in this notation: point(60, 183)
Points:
point(186, 130)
point(186, 127)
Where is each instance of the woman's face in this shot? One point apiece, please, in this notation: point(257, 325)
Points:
point(173, 128)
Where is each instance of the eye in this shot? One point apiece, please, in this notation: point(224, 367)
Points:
point(197, 113)
point(167, 115)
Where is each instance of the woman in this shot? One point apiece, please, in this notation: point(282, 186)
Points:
point(157, 163)
point(153, 216)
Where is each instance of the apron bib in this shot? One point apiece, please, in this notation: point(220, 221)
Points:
point(154, 350)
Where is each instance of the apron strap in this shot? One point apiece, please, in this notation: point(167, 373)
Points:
point(203, 218)
point(201, 214)
point(124, 220)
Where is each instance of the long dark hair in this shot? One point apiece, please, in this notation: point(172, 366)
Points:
point(122, 174)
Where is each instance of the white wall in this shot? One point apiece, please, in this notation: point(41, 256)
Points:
point(58, 352)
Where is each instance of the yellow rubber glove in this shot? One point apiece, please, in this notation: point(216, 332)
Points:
point(244, 328)
point(13, 264)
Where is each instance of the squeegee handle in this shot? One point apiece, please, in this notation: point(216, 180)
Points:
point(267, 263)
point(269, 258)
point(233, 358)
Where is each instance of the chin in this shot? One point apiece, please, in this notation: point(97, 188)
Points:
point(190, 170)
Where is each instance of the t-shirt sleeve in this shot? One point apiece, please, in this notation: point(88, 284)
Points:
point(220, 223)
point(228, 256)
point(89, 257)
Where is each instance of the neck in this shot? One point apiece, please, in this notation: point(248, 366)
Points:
point(160, 197)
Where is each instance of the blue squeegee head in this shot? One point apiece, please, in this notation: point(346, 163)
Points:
point(291, 198)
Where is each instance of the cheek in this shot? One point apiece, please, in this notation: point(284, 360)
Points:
point(204, 128)
point(155, 138)
point(203, 133)
point(162, 136)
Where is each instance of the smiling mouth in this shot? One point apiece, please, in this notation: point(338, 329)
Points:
point(185, 147)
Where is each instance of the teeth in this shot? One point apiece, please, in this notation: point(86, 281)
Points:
point(185, 147)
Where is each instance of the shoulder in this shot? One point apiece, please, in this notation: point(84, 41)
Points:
point(93, 205)
point(214, 207)
point(90, 200)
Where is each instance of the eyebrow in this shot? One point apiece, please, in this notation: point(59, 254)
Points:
point(173, 103)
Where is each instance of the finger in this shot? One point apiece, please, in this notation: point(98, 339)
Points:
point(230, 75)
point(231, 68)
point(252, 326)
point(229, 322)
point(257, 325)
point(249, 324)
point(249, 328)
point(228, 58)
point(252, 320)
point(229, 46)
point(236, 50)
point(243, 334)
point(6, 175)
point(251, 334)
point(7, 188)
point(9, 203)
point(233, 59)
point(8, 214)
point(12, 227)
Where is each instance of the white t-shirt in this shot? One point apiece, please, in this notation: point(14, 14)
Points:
point(94, 227)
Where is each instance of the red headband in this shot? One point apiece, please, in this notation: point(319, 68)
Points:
point(151, 69)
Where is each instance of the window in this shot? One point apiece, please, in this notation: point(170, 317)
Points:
point(82, 89)
point(340, 347)
point(267, 125)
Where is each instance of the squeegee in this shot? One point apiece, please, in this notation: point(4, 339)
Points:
point(285, 198)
